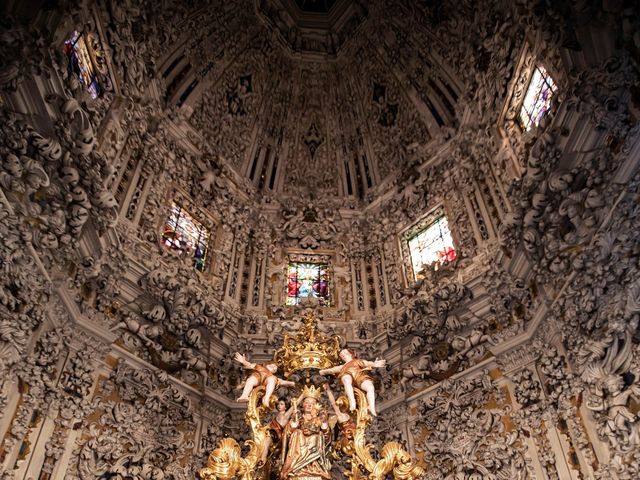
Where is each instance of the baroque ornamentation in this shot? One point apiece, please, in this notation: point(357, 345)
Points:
point(299, 138)
point(463, 436)
point(143, 429)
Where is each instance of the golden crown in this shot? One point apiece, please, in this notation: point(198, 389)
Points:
point(307, 349)
point(311, 392)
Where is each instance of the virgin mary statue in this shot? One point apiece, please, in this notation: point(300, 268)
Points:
point(304, 443)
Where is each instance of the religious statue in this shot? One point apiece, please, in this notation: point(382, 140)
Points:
point(261, 374)
point(613, 400)
point(278, 424)
point(353, 372)
point(305, 436)
point(304, 451)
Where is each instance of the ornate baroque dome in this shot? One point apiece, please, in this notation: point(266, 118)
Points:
point(305, 103)
point(451, 186)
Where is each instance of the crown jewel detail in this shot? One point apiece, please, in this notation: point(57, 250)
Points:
point(311, 392)
point(307, 349)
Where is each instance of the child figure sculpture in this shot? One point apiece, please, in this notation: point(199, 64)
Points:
point(261, 374)
point(354, 372)
point(278, 424)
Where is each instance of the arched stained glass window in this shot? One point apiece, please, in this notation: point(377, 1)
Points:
point(537, 101)
point(82, 62)
point(431, 246)
point(185, 234)
point(306, 280)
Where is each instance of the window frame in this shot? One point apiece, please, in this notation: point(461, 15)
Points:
point(508, 122)
point(89, 41)
point(178, 202)
point(553, 86)
point(416, 229)
point(314, 259)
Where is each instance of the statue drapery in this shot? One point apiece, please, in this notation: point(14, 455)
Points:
point(304, 450)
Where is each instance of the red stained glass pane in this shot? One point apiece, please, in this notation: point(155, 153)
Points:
point(306, 280)
point(432, 246)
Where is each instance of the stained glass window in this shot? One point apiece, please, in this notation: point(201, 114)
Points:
point(537, 101)
point(432, 246)
point(185, 234)
point(307, 280)
point(81, 62)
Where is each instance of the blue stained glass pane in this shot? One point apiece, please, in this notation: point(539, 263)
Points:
point(81, 64)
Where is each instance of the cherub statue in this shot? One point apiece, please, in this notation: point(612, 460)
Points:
point(261, 374)
point(622, 424)
point(354, 372)
point(145, 332)
point(472, 347)
point(191, 361)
